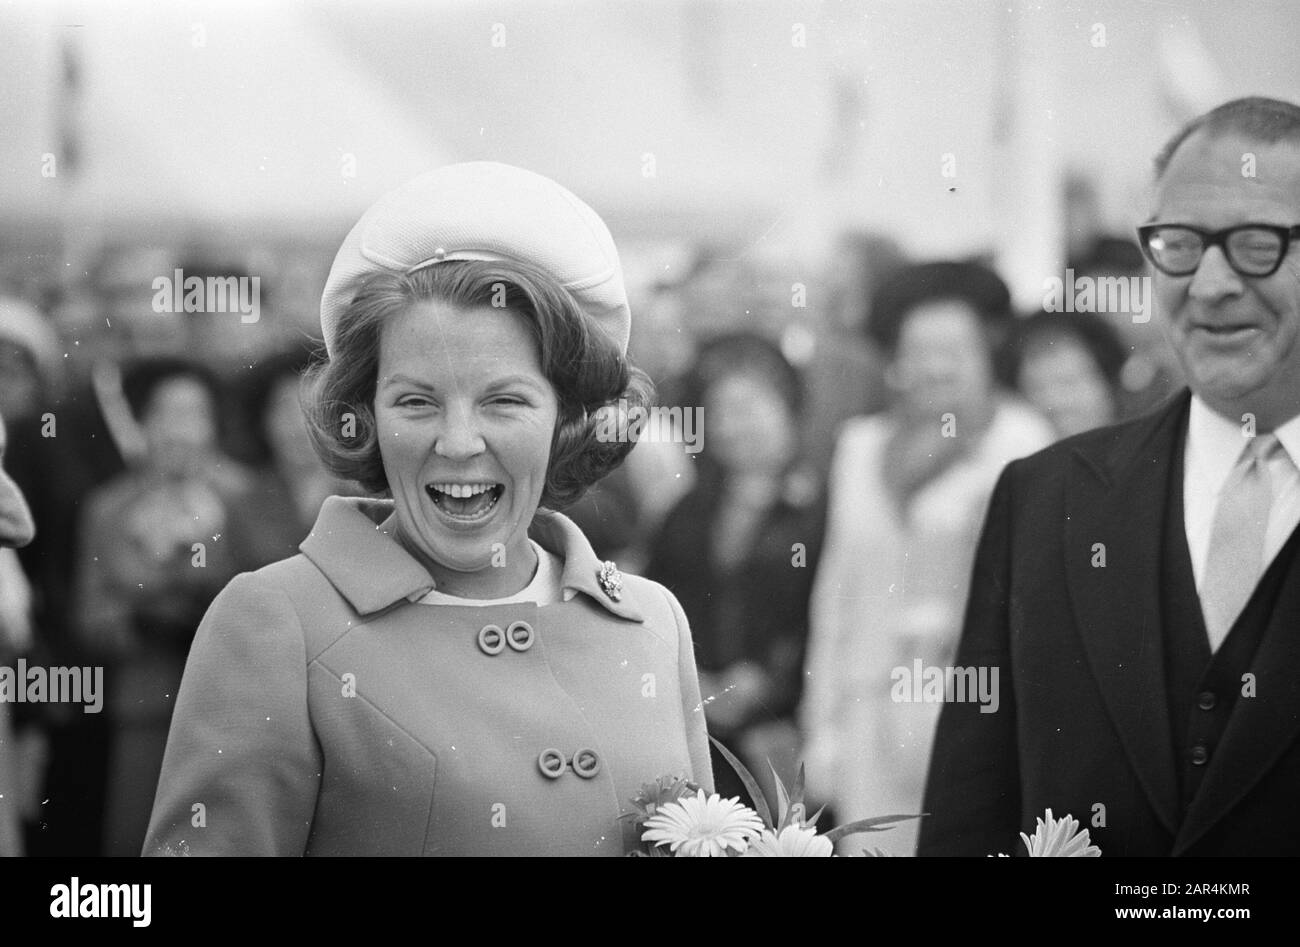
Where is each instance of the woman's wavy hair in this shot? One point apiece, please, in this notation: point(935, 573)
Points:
point(580, 360)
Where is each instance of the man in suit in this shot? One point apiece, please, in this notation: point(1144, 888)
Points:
point(1138, 586)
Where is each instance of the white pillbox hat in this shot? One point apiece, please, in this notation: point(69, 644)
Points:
point(482, 210)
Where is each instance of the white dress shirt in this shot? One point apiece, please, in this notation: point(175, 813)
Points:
point(1214, 445)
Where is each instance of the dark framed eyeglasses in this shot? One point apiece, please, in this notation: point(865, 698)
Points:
point(1251, 249)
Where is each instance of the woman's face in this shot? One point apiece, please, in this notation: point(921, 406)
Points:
point(748, 425)
point(1061, 379)
point(942, 362)
point(180, 425)
point(465, 420)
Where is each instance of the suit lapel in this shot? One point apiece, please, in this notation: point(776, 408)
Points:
point(1116, 497)
point(1261, 726)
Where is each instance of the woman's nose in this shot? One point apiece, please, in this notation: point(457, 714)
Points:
point(16, 526)
point(459, 437)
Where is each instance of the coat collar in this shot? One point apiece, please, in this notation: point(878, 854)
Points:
point(372, 571)
point(1117, 493)
point(1133, 448)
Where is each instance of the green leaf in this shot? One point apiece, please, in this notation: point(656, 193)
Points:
point(750, 783)
point(782, 797)
point(881, 823)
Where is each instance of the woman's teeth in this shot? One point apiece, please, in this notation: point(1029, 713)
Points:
point(465, 500)
point(462, 490)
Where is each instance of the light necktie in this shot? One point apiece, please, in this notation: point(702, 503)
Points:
point(1236, 555)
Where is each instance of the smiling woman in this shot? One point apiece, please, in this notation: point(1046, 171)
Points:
point(450, 669)
point(470, 414)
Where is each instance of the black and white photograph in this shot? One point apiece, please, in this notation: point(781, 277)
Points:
point(688, 428)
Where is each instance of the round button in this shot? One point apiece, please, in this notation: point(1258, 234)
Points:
point(1206, 701)
point(491, 639)
point(552, 763)
point(1200, 755)
point(520, 635)
point(586, 763)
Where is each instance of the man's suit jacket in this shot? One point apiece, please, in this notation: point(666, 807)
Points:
point(1084, 719)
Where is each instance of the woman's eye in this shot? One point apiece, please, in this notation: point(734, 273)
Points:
point(413, 401)
point(508, 400)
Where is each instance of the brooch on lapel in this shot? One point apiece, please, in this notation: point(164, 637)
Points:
point(611, 580)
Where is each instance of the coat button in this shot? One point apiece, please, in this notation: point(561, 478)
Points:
point(586, 763)
point(552, 764)
point(1200, 755)
point(1206, 700)
point(491, 639)
point(520, 635)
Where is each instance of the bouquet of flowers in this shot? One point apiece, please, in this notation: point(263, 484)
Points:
point(675, 817)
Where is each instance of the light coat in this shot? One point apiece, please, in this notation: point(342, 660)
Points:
point(324, 712)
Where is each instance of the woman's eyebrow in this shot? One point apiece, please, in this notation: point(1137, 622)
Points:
point(508, 380)
point(403, 379)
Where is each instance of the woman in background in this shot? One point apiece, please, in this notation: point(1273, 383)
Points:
point(29, 369)
point(155, 547)
point(1067, 365)
point(908, 492)
point(16, 530)
point(740, 549)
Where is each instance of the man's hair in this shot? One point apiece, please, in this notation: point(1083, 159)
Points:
point(1264, 120)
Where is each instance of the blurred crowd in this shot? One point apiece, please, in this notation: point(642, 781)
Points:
point(851, 437)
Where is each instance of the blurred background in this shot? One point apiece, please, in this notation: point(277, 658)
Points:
point(834, 219)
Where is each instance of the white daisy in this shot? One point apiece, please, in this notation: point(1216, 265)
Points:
point(702, 826)
point(1060, 838)
point(793, 842)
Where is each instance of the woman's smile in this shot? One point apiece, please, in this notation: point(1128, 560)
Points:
point(465, 503)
